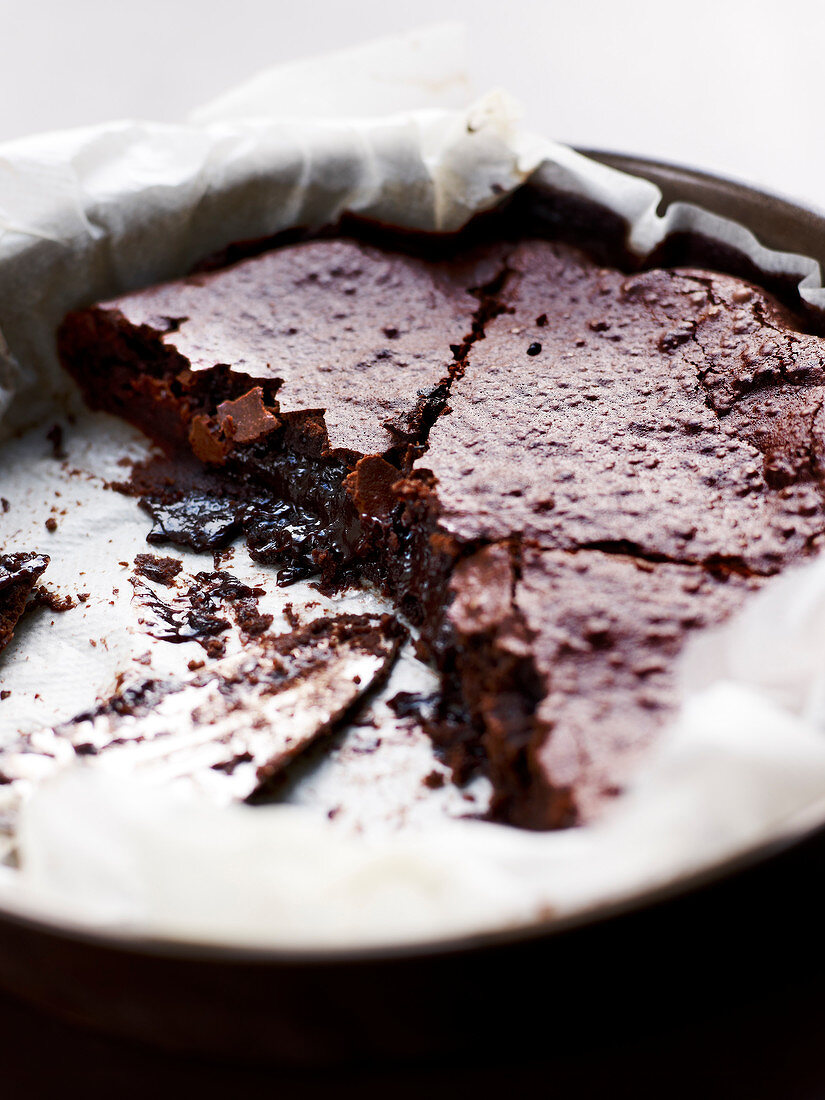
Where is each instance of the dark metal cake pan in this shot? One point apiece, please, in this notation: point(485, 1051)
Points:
point(740, 926)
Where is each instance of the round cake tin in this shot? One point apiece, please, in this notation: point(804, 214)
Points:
point(736, 927)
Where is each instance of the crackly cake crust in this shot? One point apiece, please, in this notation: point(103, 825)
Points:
point(578, 469)
point(297, 320)
point(667, 428)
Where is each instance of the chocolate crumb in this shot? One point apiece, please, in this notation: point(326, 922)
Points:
point(4, 504)
point(156, 568)
point(51, 524)
point(434, 780)
point(535, 348)
point(5, 693)
point(42, 597)
point(250, 620)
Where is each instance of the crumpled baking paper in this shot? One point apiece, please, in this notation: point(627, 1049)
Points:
point(94, 212)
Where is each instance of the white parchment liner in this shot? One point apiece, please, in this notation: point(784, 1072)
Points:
point(91, 213)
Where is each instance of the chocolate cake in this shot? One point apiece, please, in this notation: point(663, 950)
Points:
point(19, 574)
point(558, 470)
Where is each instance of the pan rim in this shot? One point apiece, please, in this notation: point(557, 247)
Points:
point(803, 824)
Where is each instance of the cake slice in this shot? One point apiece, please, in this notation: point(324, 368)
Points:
point(283, 371)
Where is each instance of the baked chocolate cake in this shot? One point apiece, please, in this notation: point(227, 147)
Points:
point(559, 470)
point(242, 369)
point(19, 573)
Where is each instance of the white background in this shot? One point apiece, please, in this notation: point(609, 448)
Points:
point(730, 85)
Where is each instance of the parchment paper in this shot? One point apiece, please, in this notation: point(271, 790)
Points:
point(91, 213)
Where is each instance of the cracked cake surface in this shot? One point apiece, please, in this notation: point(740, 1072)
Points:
point(558, 469)
point(662, 411)
point(298, 318)
point(653, 446)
